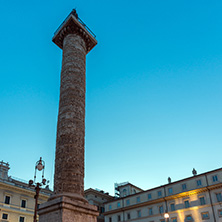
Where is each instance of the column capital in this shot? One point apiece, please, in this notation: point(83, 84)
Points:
point(74, 25)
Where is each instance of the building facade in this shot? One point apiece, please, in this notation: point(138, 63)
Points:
point(197, 198)
point(17, 201)
point(98, 198)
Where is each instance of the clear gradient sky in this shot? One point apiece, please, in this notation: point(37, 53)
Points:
point(154, 88)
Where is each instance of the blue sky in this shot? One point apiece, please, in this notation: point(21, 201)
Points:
point(153, 102)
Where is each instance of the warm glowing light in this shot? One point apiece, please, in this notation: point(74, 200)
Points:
point(166, 215)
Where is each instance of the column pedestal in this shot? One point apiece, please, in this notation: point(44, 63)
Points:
point(65, 209)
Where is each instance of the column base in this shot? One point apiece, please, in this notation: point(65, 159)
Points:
point(67, 209)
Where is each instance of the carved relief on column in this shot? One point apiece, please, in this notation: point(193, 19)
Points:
point(69, 166)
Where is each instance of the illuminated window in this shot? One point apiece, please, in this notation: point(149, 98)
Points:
point(205, 215)
point(7, 199)
point(202, 201)
point(219, 197)
point(186, 204)
point(159, 193)
point(138, 199)
point(172, 207)
point(174, 219)
point(21, 219)
point(188, 218)
point(150, 211)
point(215, 178)
point(118, 218)
point(199, 183)
point(127, 202)
point(170, 190)
point(138, 213)
point(161, 209)
point(149, 196)
point(118, 204)
point(184, 187)
point(5, 216)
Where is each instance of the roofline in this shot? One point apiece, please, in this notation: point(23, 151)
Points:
point(131, 185)
point(162, 186)
point(103, 194)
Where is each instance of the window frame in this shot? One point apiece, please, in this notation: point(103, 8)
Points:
point(139, 213)
point(25, 203)
point(202, 198)
point(202, 213)
point(186, 205)
point(159, 193)
point(20, 218)
point(197, 181)
point(7, 215)
point(215, 178)
point(170, 190)
point(150, 211)
point(138, 199)
point(9, 197)
point(172, 204)
point(184, 188)
point(161, 211)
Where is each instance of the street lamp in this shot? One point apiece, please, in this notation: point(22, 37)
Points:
point(39, 166)
point(166, 216)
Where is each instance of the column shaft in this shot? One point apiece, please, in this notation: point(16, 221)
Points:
point(69, 164)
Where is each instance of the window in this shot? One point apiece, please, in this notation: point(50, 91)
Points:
point(95, 196)
point(199, 183)
point(124, 192)
point(138, 199)
point(7, 199)
point(219, 197)
point(149, 196)
point(188, 218)
point(139, 213)
point(202, 201)
point(150, 211)
point(205, 215)
point(186, 204)
point(127, 202)
point(110, 207)
point(172, 207)
point(159, 193)
point(128, 216)
point(21, 219)
point(184, 187)
point(102, 210)
point(110, 219)
point(118, 204)
point(220, 213)
point(23, 203)
point(170, 190)
point(118, 218)
point(215, 178)
point(174, 219)
point(5, 216)
point(161, 209)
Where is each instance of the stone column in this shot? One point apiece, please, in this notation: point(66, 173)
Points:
point(69, 164)
point(68, 202)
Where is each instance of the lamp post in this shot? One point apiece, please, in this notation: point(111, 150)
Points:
point(39, 166)
point(166, 216)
